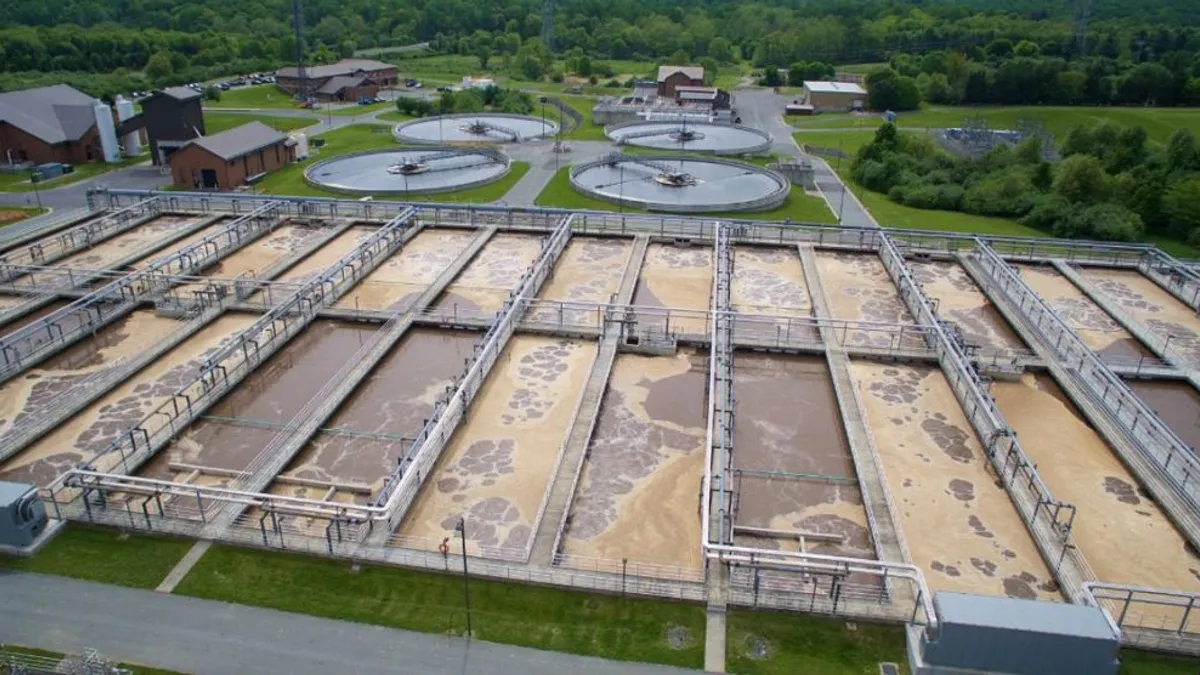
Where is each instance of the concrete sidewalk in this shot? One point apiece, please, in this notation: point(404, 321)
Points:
point(202, 636)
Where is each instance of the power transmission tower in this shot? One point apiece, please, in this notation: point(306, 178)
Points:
point(548, 24)
point(301, 76)
point(1083, 12)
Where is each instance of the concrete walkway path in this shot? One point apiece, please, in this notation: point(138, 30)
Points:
point(202, 637)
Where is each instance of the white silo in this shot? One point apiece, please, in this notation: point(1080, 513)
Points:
point(107, 130)
point(133, 143)
point(301, 145)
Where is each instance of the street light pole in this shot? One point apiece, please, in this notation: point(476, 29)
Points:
point(33, 178)
point(461, 528)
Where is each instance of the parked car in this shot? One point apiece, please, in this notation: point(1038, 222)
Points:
point(412, 84)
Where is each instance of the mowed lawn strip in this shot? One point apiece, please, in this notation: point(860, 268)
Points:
point(107, 556)
point(764, 643)
point(216, 122)
point(531, 616)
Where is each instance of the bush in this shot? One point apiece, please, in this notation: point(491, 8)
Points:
point(613, 84)
point(1048, 213)
point(212, 93)
point(557, 77)
point(1109, 222)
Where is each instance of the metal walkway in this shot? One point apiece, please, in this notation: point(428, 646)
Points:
point(290, 440)
point(570, 466)
point(881, 519)
point(1175, 494)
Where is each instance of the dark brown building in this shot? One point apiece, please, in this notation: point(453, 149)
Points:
point(172, 118)
point(229, 159)
point(48, 124)
point(671, 77)
point(354, 78)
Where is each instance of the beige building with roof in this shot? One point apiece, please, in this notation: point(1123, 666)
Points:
point(833, 96)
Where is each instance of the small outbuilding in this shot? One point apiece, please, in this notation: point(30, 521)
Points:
point(231, 158)
point(984, 635)
point(834, 96)
point(672, 77)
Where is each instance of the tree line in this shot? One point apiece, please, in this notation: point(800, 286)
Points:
point(1007, 73)
point(103, 36)
point(1111, 183)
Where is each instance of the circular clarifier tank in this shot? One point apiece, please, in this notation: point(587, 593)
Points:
point(718, 139)
point(470, 128)
point(408, 171)
point(680, 184)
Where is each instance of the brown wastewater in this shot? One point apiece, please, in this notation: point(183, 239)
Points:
point(496, 469)
point(1119, 528)
point(1094, 326)
point(796, 473)
point(959, 524)
point(639, 494)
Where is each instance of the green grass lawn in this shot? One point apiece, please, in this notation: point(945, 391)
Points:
point(258, 96)
point(1145, 663)
point(848, 142)
point(862, 68)
point(19, 182)
point(587, 131)
point(94, 554)
point(1172, 247)
point(216, 122)
point(394, 116)
point(360, 137)
point(15, 214)
point(354, 109)
point(579, 623)
point(1160, 123)
point(761, 643)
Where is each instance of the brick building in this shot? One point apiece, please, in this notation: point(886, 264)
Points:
point(671, 77)
point(48, 124)
point(345, 80)
point(229, 159)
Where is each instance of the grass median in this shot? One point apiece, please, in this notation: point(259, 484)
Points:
point(531, 616)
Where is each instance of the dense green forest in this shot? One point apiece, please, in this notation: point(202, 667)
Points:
point(1112, 184)
point(165, 41)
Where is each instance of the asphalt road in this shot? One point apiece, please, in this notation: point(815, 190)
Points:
point(202, 637)
point(763, 109)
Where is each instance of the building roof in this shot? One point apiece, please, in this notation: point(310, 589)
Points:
point(1030, 616)
point(336, 84)
point(819, 87)
point(343, 67)
point(54, 114)
point(181, 93)
point(238, 141)
point(11, 492)
point(693, 72)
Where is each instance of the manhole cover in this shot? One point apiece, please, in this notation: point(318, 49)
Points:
point(678, 637)
point(757, 648)
point(889, 669)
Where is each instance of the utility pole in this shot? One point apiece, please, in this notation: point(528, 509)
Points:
point(301, 76)
point(461, 528)
point(548, 24)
